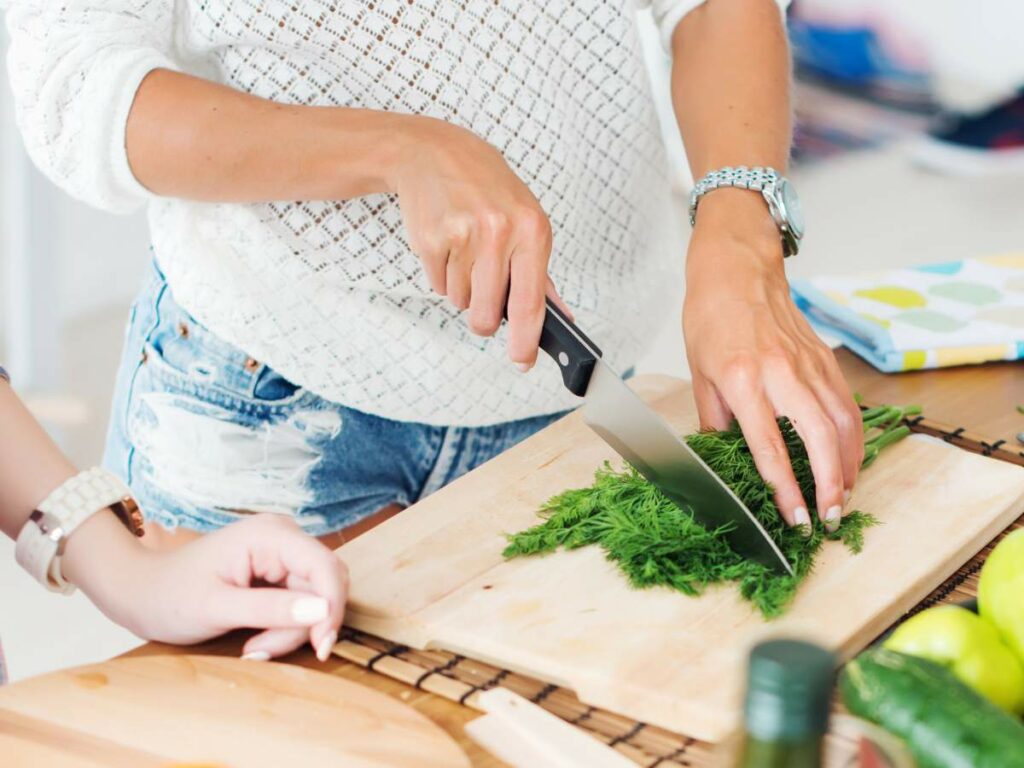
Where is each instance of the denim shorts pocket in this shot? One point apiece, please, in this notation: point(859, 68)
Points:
point(224, 382)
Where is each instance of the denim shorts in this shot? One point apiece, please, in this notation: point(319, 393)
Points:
point(204, 434)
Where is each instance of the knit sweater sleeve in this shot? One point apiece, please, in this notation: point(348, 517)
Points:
point(75, 67)
point(668, 14)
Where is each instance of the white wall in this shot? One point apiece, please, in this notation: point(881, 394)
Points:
point(100, 256)
point(60, 260)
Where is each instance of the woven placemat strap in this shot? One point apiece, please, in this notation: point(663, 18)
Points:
point(500, 675)
point(637, 727)
point(395, 649)
point(678, 754)
point(964, 437)
point(455, 659)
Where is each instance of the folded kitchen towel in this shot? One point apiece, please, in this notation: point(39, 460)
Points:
point(932, 316)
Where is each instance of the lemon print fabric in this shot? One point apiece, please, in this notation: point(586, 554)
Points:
point(1006, 260)
point(977, 294)
point(1007, 315)
point(894, 296)
point(926, 316)
point(946, 268)
point(1015, 284)
point(931, 320)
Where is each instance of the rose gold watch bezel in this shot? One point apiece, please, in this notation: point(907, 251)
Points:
point(128, 512)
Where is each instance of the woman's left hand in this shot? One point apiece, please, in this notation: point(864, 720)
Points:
point(753, 355)
point(263, 573)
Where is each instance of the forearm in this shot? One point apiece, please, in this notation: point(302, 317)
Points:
point(31, 468)
point(191, 138)
point(730, 90)
point(730, 85)
point(31, 465)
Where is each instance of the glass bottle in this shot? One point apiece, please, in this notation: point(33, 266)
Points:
point(789, 688)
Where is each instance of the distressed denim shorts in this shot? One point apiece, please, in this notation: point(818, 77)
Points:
point(203, 434)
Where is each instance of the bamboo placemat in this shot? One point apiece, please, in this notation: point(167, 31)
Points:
point(460, 679)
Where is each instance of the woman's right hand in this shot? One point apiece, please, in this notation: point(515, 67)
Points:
point(481, 234)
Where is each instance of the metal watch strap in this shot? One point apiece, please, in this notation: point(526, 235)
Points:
point(740, 177)
point(41, 541)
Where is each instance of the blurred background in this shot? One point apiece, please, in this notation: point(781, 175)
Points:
point(909, 150)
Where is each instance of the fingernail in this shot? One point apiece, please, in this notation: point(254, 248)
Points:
point(832, 518)
point(800, 517)
point(256, 656)
point(323, 651)
point(524, 367)
point(309, 610)
point(846, 497)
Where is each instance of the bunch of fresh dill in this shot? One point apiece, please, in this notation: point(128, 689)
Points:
point(654, 542)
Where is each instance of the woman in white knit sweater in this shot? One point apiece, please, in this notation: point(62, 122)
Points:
point(341, 196)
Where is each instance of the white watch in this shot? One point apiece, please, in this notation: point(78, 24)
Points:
point(41, 540)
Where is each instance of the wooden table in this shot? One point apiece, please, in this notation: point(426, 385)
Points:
point(979, 399)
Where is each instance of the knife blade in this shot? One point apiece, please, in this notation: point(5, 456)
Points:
point(642, 438)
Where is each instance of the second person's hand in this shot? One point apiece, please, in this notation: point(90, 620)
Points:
point(481, 234)
point(261, 573)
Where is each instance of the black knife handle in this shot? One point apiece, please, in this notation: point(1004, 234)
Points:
point(568, 346)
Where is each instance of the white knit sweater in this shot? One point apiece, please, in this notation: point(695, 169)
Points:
point(329, 293)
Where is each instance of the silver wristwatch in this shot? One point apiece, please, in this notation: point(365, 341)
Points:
point(783, 203)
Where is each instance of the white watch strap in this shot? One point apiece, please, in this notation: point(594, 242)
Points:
point(37, 545)
point(41, 541)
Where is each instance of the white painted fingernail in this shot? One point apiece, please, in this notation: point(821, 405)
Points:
point(524, 367)
point(801, 517)
point(832, 518)
point(309, 610)
point(323, 651)
point(256, 656)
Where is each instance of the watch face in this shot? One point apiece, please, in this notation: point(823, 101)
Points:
point(792, 210)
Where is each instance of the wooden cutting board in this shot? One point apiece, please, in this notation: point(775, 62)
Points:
point(434, 576)
point(191, 711)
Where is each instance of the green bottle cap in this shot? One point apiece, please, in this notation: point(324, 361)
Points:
point(789, 687)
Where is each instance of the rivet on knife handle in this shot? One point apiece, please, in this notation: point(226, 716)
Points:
point(569, 347)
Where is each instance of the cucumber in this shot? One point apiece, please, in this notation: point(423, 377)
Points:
point(944, 723)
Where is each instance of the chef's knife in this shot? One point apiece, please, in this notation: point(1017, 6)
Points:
point(643, 439)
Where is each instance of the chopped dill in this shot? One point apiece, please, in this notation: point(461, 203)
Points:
point(656, 543)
